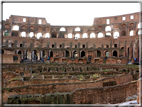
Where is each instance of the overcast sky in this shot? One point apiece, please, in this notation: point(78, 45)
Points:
point(69, 13)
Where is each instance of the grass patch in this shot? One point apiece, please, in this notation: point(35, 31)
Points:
point(95, 75)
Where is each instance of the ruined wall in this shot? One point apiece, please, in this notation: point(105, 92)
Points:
point(60, 87)
point(104, 95)
point(112, 95)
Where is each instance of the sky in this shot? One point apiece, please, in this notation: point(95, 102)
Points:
point(69, 13)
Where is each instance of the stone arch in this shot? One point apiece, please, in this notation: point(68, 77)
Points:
point(131, 33)
point(115, 53)
point(98, 53)
point(51, 53)
point(74, 54)
point(15, 27)
point(39, 35)
point(23, 34)
point(70, 35)
point(77, 35)
point(82, 54)
point(62, 29)
point(106, 53)
point(108, 28)
point(47, 35)
point(108, 34)
point(92, 35)
point(123, 33)
point(84, 35)
point(31, 34)
point(139, 32)
point(67, 53)
point(100, 35)
point(77, 29)
point(54, 35)
point(140, 25)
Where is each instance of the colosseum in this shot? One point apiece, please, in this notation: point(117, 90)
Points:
point(45, 64)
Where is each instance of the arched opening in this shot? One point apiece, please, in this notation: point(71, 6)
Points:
point(15, 27)
point(67, 53)
point(47, 35)
point(122, 47)
point(106, 54)
point(39, 35)
point(2, 51)
point(77, 36)
point(115, 53)
point(15, 30)
point(82, 54)
point(31, 34)
point(100, 35)
point(62, 29)
point(74, 54)
point(123, 33)
point(19, 52)
point(98, 54)
point(140, 32)
point(84, 35)
point(69, 35)
point(115, 35)
point(131, 33)
point(128, 52)
point(23, 34)
point(51, 54)
point(108, 28)
point(53, 35)
point(92, 35)
point(140, 25)
point(77, 29)
point(6, 33)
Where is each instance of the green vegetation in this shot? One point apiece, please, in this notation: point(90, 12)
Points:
point(106, 70)
point(16, 78)
point(95, 75)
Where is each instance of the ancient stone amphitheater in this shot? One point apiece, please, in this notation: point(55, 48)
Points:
point(45, 64)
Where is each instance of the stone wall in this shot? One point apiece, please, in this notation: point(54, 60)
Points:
point(8, 58)
point(60, 87)
point(112, 94)
point(104, 95)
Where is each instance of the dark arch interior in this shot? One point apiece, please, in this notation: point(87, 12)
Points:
point(98, 54)
point(53, 35)
point(67, 53)
point(62, 34)
point(14, 33)
point(115, 53)
point(2, 51)
point(74, 53)
point(51, 54)
point(123, 33)
point(82, 54)
point(19, 52)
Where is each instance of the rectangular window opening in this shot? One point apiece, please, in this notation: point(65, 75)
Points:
point(75, 46)
point(115, 45)
point(124, 18)
point(108, 21)
point(24, 19)
point(107, 46)
point(60, 46)
point(83, 46)
point(52, 46)
point(40, 21)
point(132, 17)
point(20, 45)
point(15, 58)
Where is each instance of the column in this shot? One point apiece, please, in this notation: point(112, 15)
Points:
point(38, 54)
point(29, 55)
